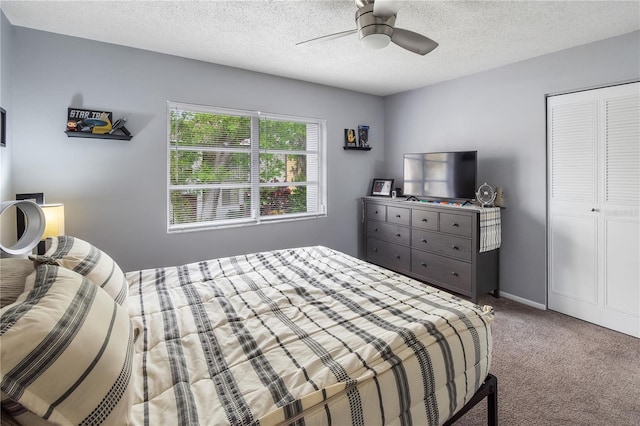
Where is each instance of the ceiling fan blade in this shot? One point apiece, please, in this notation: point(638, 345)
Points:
point(386, 8)
point(328, 37)
point(414, 42)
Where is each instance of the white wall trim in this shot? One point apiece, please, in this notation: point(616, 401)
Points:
point(600, 86)
point(523, 301)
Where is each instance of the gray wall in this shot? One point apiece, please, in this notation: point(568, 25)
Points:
point(501, 113)
point(115, 191)
point(8, 219)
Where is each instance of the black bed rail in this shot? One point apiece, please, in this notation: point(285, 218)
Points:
point(488, 389)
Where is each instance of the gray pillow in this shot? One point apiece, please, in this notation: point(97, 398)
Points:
point(13, 272)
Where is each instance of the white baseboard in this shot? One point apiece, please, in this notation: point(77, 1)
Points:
point(523, 301)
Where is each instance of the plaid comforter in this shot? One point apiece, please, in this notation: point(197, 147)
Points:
point(301, 336)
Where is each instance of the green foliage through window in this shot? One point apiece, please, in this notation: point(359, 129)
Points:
point(214, 169)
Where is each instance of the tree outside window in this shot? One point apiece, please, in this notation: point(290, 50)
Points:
point(220, 162)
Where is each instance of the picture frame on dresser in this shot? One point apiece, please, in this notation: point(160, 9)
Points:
point(381, 187)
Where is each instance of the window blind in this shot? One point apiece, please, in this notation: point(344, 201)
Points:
point(230, 167)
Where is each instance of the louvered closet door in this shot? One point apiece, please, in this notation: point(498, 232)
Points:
point(594, 206)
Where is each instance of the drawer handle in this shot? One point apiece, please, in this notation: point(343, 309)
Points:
point(424, 219)
point(423, 264)
point(454, 224)
point(398, 235)
point(455, 274)
point(455, 247)
point(375, 229)
point(375, 250)
point(397, 256)
point(376, 211)
point(424, 241)
point(398, 216)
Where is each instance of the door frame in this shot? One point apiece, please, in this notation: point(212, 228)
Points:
point(604, 314)
point(547, 173)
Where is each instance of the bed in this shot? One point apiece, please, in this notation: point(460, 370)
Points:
point(302, 336)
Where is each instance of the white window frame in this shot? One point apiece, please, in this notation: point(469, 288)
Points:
point(255, 218)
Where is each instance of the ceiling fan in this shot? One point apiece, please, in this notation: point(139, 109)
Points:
point(375, 22)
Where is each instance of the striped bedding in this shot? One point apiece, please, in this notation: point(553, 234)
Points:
point(301, 336)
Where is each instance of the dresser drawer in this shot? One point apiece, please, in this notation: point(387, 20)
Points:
point(395, 256)
point(398, 215)
point(377, 212)
point(455, 224)
point(424, 219)
point(454, 273)
point(389, 232)
point(447, 245)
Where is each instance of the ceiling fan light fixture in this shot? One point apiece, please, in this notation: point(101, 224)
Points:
point(376, 28)
point(375, 41)
point(375, 32)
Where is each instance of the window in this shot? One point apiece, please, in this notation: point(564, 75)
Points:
point(230, 167)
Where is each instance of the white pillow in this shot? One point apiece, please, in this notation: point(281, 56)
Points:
point(67, 350)
point(88, 260)
point(14, 414)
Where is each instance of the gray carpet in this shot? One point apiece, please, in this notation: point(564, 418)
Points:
point(553, 369)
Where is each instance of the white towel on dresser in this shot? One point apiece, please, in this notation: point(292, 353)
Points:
point(490, 234)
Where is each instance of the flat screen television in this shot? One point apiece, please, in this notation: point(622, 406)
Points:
point(450, 175)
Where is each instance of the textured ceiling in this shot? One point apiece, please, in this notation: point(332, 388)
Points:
point(262, 35)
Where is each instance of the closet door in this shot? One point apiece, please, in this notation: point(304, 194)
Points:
point(594, 206)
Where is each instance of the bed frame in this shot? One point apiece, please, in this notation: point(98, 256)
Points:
point(488, 389)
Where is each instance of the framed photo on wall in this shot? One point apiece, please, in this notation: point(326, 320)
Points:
point(363, 136)
point(3, 127)
point(350, 137)
point(382, 187)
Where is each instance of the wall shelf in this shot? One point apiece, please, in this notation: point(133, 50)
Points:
point(98, 136)
point(357, 148)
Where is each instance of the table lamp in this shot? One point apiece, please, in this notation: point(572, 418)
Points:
point(54, 221)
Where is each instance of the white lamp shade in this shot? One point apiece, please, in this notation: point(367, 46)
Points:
point(54, 220)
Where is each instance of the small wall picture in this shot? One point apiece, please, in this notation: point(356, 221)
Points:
point(3, 127)
point(350, 138)
point(89, 121)
point(363, 136)
point(382, 187)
